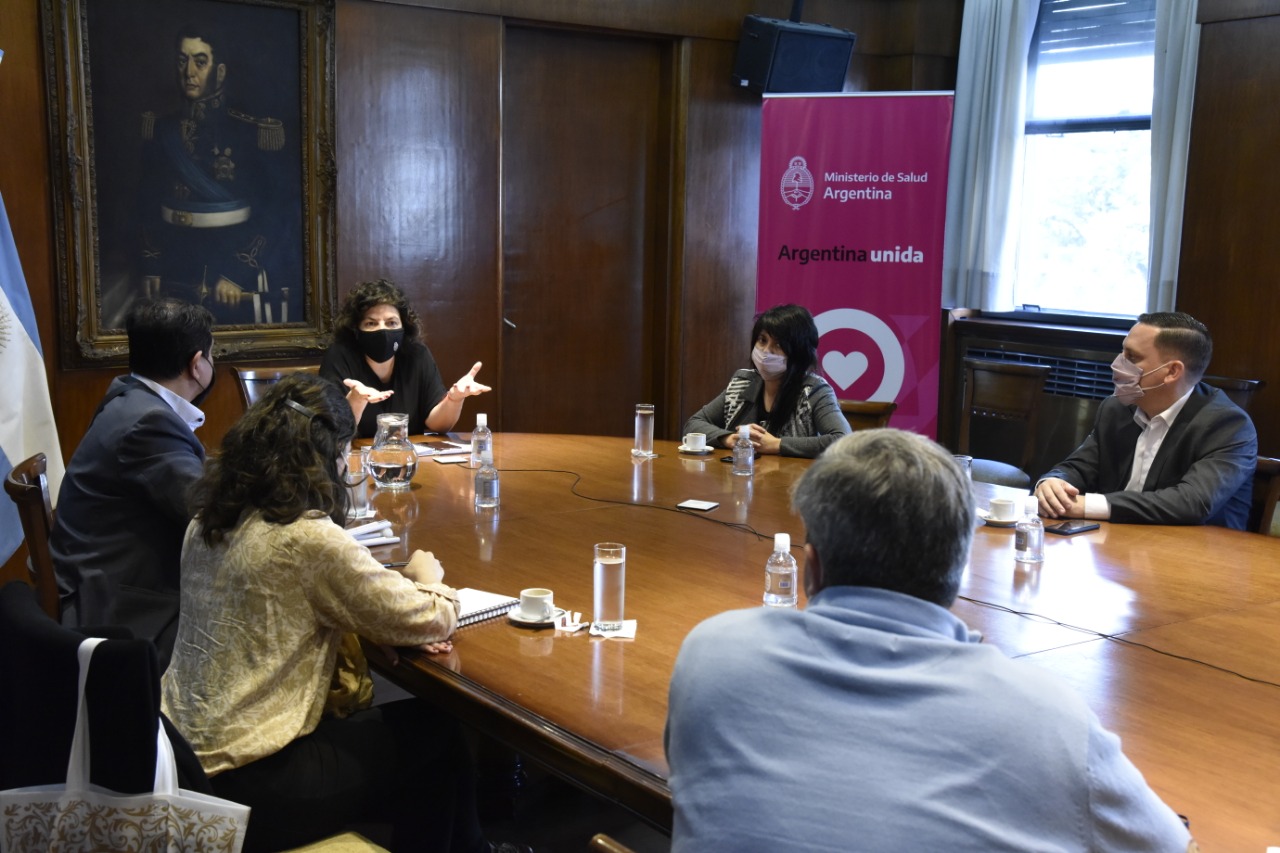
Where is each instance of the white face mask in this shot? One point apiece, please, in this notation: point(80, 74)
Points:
point(771, 365)
point(1127, 377)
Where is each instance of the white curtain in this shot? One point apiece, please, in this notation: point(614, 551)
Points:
point(1177, 49)
point(986, 153)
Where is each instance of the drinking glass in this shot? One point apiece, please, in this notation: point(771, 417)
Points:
point(644, 431)
point(610, 576)
point(356, 477)
point(966, 465)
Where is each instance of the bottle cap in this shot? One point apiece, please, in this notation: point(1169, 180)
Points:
point(745, 431)
point(482, 419)
point(1031, 505)
point(782, 541)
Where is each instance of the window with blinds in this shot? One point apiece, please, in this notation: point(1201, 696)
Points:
point(1085, 212)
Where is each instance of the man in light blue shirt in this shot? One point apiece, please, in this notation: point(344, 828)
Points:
point(874, 719)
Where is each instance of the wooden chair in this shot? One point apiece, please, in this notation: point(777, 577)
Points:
point(254, 381)
point(1240, 391)
point(864, 414)
point(1002, 393)
point(29, 488)
point(1266, 488)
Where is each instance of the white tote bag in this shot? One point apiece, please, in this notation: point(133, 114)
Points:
point(79, 817)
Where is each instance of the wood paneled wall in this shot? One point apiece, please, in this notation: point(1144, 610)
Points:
point(419, 125)
point(1230, 262)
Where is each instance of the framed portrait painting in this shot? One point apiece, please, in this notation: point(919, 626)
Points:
point(193, 158)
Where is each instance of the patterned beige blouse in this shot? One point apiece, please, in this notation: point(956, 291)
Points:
point(262, 617)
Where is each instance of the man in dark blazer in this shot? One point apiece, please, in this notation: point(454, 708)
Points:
point(1166, 448)
point(123, 508)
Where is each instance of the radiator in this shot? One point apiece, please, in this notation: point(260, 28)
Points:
point(1078, 381)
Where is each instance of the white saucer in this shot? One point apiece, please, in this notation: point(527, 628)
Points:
point(703, 452)
point(992, 522)
point(519, 618)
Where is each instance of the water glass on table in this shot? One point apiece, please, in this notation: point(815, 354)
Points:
point(356, 477)
point(644, 431)
point(610, 584)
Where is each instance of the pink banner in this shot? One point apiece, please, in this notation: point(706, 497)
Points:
point(853, 197)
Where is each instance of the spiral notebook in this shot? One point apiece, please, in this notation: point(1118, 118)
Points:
point(477, 606)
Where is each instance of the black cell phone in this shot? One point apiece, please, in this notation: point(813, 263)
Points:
point(1075, 525)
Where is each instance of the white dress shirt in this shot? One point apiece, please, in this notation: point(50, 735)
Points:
point(1154, 430)
point(188, 412)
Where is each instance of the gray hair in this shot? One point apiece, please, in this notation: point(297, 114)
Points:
point(889, 509)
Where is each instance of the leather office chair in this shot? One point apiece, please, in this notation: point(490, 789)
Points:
point(39, 667)
point(1240, 391)
point(254, 381)
point(1266, 489)
point(1002, 394)
point(864, 414)
point(40, 671)
point(29, 488)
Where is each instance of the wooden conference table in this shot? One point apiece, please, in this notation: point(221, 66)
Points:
point(593, 710)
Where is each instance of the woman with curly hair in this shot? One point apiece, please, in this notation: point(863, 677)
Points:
point(377, 354)
point(265, 682)
point(791, 409)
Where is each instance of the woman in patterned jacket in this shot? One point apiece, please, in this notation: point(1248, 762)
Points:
point(792, 410)
point(265, 682)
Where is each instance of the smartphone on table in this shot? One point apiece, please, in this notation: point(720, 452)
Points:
point(1070, 526)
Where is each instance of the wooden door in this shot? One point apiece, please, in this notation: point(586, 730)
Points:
point(585, 202)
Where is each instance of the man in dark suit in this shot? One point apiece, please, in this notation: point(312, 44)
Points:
point(1166, 448)
point(123, 510)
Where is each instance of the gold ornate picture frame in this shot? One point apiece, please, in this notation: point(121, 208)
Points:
point(192, 156)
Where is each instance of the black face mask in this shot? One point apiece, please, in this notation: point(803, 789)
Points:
point(204, 392)
point(381, 345)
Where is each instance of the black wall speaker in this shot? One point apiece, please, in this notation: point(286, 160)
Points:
point(786, 56)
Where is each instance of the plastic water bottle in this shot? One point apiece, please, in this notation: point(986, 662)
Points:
point(1028, 535)
point(486, 482)
point(481, 440)
point(780, 574)
point(744, 455)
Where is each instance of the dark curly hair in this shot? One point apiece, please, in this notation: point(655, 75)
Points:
point(370, 294)
point(280, 458)
point(793, 328)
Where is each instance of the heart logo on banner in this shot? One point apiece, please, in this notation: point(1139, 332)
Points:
point(843, 369)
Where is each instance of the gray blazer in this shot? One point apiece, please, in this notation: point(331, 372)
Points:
point(1203, 473)
point(121, 515)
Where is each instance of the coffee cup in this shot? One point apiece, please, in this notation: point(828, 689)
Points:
point(695, 441)
point(1001, 509)
point(536, 604)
